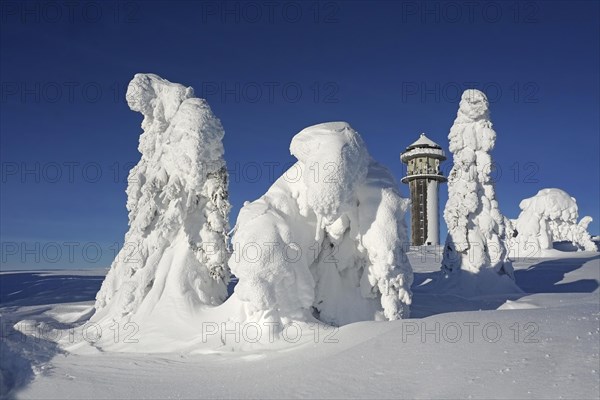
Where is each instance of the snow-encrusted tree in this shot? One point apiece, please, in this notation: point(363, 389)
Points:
point(325, 241)
point(476, 228)
point(174, 259)
point(550, 216)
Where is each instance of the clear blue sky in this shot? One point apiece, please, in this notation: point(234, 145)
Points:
point(391, 69)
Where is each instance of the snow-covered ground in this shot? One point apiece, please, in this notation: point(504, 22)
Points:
point(540, 344)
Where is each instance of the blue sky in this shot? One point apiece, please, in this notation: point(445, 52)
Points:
point(391, 69)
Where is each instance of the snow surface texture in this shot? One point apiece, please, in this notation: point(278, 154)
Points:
point(326, 239)
point(543, 344)
point(174, 260)
point(550, 216)
point(476, 241)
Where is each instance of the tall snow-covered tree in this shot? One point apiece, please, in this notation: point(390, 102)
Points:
point(174, 259)
point(476, 229)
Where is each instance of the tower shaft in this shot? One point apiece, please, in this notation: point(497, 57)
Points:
point(423, 176)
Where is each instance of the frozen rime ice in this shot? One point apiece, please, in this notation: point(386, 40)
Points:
point(476, 229)
point(550, 216)
point(325, 241)
point(174, 259)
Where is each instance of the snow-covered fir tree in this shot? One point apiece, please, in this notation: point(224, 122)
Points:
point(174, 259)
point(476, 229)
point(329, 234)
point(550, 216)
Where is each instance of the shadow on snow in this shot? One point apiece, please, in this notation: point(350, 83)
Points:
point(543, 277)
point(33, 288)
point(23, 355)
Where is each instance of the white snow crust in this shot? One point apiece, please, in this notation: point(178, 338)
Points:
point(543, 344)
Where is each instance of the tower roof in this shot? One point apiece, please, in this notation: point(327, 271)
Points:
point(424, 141)
point(423, 147)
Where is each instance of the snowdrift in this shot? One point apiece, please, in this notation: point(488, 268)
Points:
point(174, 260)
point(325, 241)
point(550, 216)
